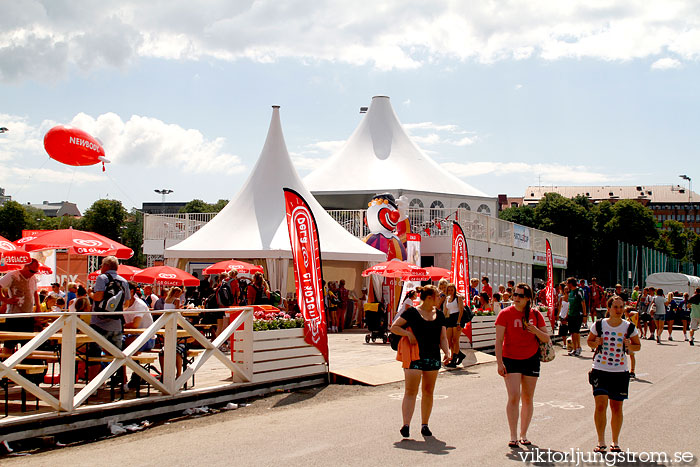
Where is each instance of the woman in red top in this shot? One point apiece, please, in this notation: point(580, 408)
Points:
point(518, 332)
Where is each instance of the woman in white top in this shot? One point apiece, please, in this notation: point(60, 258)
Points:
point(407, 302)
point(172, 299)
point(453, 307)
point(610, 377)
point(658, 313)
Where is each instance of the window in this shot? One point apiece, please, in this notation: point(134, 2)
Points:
point(484, 209)
point(415, 213)
point(437, 211)
point(466, 207)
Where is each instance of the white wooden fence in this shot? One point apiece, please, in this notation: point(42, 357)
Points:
point(257, 357)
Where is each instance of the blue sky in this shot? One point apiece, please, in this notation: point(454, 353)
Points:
point(503, 95)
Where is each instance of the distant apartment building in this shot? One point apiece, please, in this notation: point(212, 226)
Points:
point(58, 209)
point(3, 197)
point(668, 202)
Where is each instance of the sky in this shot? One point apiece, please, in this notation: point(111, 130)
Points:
point(502, 94)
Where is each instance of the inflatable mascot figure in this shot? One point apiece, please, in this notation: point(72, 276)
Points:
point(382, 219)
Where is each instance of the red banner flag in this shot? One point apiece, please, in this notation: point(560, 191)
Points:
point(459, 270)
point(550, 285)
point(308, 277)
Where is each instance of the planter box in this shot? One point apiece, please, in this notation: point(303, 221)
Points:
point(283, 353)
point(483, 333)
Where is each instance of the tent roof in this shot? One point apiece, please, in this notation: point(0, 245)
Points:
point(672, 279)
point(380, 156)
point(253, 224)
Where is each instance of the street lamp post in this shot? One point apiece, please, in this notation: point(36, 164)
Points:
point(163, 192)
point(690, 206)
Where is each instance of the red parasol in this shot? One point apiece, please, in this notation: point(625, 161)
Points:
point(437, 273)
point(166, 275)
point(241, 266)
point(78, 242)
point(43, 269)
point(126, 271)
point(11, 254)
point(398, 270)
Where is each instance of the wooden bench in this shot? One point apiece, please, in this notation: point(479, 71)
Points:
point(25, 368)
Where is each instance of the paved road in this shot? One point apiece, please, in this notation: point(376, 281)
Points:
point(354, 425)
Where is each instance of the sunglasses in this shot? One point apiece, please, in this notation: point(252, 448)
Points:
point(521, 295)
point(33, 271)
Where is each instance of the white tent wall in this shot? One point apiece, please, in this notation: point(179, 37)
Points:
point(672, 281)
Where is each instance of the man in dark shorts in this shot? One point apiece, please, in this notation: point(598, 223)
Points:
point(577, 312)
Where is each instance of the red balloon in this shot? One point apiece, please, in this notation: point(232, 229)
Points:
point(72, 146)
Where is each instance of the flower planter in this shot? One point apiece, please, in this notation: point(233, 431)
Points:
point(283, 353)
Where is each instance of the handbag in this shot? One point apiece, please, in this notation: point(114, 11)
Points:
point(547, 352)
point(394, 341)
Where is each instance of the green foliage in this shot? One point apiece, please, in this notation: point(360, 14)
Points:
point(676, 238)
point(523, 215)
point(106, 217)
point(277, 323)
point(13, 219)
point(632, 223)
point(197, 205)
point(133, 238)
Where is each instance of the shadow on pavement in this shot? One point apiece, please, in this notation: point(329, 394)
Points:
point(429, 445)
point(298, 396)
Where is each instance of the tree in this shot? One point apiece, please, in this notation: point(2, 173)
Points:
point(197, 205)
point(13, 219)
point(557, 214)
point(106, 217)
point(632, 223)
point(523, 215)
point(676, 239)
point(133, 237)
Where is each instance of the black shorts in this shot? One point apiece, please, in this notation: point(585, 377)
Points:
point(451, 322)
point(426, 364)
point(614, 384)
point(574, 323)
point(645, 318)
point(527, 367)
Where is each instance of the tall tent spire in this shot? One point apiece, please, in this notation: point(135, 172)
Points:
point(253, 223)
point(380, 156)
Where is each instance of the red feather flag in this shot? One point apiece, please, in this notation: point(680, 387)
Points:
point(308, 277)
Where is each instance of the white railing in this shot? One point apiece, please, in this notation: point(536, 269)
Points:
point(174, 226)
point(66, 327)
point(476, 226)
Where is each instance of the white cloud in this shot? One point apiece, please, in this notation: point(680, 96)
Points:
point(16, 177)
point(151, 142)
point(140, 141)
point(43, 40)
point(666, 64)
point(518, 86)
point(429, 133)
point(547, 173)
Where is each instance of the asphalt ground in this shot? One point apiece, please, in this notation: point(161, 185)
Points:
point(358, 425)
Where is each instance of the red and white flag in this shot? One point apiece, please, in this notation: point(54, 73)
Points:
point(308, 277)
point(550, 285)
point(459, 270)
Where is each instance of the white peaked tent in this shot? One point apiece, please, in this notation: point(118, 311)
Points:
point(379, 156)
point(253, 224)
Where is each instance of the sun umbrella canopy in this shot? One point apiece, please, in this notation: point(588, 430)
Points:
point(11, 253)
point(241, 266)
point(437, 273)
point(124, 270)
point(166, 275)
point(398, 270)
point(78, 242)
point(43, 269)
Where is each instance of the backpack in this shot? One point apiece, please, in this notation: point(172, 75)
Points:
point(243, 292)
point(224, 297)
point(112, 299)
point(599, 332)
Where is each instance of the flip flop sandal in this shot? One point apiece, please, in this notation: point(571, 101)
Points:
point(525, 442)
point(615, 448)
point(512, 444)
point(600, 448)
